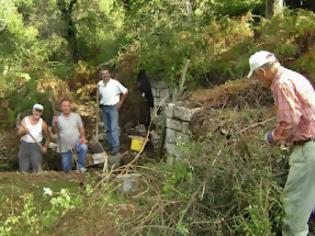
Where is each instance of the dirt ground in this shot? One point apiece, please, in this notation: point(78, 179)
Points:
point(88, 221)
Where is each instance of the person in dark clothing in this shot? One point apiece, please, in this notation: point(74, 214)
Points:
point(144, 87)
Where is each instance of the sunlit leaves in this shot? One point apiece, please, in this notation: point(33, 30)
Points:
point(164, 35)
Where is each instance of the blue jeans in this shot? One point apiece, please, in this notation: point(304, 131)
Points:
point(110, 117)
point(66, 157)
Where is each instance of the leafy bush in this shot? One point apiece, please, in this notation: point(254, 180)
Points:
point(217, 46)
point(32, 220)
point(170, 35)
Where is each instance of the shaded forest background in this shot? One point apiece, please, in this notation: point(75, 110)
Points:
point(70, 39)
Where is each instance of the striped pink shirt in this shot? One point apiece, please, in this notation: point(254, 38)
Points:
point(295, 102)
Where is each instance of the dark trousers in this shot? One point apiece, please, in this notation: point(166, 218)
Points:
point(30, 157)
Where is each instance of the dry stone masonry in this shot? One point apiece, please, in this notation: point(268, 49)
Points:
point(160, 92)
point(178, 118)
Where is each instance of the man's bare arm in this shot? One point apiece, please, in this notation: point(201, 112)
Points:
point(22, 130)
point(82, 135)
point(122, 99)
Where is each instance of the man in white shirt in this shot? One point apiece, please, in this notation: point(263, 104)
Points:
point(112, 94)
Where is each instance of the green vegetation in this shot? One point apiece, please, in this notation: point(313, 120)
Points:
point(214, 188)
point(47, 39)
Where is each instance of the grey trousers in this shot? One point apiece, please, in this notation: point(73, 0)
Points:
point(30, 157)
point(299, 191)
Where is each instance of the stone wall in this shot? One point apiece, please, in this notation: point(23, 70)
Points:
point(175, 116)
point(160, 92)
point(178, 118)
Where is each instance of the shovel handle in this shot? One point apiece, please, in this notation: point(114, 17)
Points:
point(55, 114)
point(38, 144)
point(97, 114)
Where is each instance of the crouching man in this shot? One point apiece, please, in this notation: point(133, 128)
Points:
point(70, 137)
point(31, 131)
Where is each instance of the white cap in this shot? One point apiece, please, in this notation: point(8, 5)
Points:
point(38, 106)
point(259, 59)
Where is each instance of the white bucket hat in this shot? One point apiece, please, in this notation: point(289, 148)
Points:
point(259, 59)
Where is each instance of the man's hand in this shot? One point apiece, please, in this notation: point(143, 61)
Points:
point(83, 140)
point(23, 130)
point(269, 138)
point(118, 105)
point(44, 150)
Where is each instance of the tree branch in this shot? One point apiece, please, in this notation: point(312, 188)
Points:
point(180, 90)
point(71, 5)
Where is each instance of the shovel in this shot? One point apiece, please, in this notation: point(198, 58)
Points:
point(38, 144)
point(55, 114)
point(75, 157)
point(32, 137)
point(100, 156)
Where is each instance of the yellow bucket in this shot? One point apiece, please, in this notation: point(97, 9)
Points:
point(136, 143)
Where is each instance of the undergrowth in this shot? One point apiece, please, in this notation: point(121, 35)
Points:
point(212, 189)
point(32, 220)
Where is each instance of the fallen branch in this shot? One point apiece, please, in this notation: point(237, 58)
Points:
point(257, 124)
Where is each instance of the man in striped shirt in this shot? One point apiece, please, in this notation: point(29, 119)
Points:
point(295, 105)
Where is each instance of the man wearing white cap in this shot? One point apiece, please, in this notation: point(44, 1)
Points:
point(295, 104)
point(31, 131)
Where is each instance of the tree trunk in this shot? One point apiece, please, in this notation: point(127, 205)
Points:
point(72, 40)
point(71, 34)
point(274, 7)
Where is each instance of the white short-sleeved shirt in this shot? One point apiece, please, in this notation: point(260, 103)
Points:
point(110, 93)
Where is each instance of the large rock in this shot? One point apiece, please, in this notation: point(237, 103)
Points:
point(170, 110)
point(177, 125)
point(172, 149)
point(184, 113)
point(180, 112)
point(173, 136)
